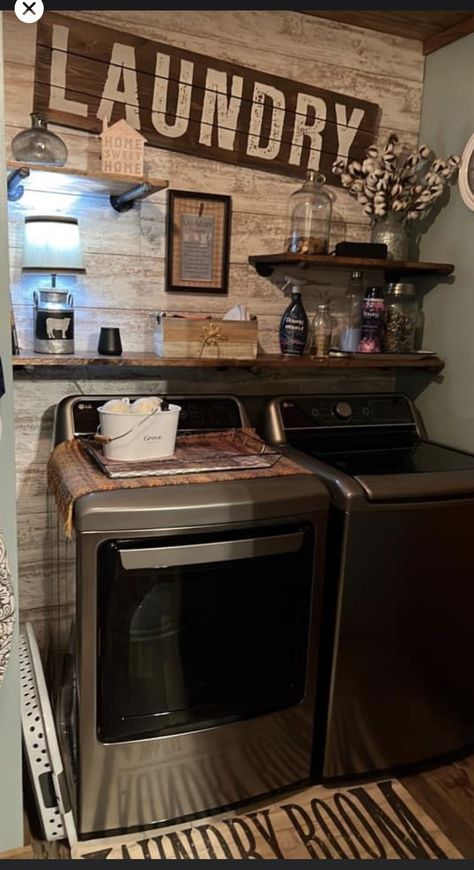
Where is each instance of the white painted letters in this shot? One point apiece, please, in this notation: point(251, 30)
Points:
point(122, 63)
point(227, 109)
point(160, 96)
point(311, 128)
point(347, 129)
point(270, 151)
point(58, 99)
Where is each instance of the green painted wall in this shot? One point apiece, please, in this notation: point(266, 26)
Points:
point(447, 123)
point(11, 817)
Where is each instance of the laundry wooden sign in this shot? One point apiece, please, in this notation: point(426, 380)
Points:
point(183, 101)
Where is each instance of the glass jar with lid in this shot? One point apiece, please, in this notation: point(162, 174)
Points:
point(401, 314)
point(310, 210)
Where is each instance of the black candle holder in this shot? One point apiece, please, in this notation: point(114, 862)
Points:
point(110, 343)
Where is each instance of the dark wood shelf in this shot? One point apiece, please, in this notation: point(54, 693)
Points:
point(64, 179)
point(29, 359)
point(265, 264)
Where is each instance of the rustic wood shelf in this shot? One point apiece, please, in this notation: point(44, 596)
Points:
point(265, 264)
point(269, 361)
point(63, 179)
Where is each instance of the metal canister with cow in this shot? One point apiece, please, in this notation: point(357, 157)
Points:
point(53, 321)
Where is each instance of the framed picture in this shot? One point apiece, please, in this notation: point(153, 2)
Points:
point(198, 242)
point(466, 174)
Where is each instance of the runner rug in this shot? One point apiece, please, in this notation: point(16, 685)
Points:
point(379, 820)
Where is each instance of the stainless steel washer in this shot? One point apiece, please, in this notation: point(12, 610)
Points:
point(189, 681)
point(396, 683)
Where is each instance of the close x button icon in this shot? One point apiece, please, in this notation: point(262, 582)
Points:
point(29, 11)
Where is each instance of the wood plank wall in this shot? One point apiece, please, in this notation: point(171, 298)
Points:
point(124, 254)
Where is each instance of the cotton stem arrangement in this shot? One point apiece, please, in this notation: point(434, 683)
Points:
point(393, 180)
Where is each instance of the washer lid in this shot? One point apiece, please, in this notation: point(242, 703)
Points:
point(413, 458)
point(423, 470)
point(420, 470)
point(416, 487)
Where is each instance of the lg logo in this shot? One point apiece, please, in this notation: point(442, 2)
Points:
point(29, 11)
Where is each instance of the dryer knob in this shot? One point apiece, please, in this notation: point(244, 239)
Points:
point(342, 410)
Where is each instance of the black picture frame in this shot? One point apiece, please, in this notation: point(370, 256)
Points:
point(209, 256)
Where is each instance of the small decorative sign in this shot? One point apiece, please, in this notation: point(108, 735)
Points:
point(198, 234)
point(122, 149)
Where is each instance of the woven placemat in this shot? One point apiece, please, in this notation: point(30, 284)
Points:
point(377, 821)
point(73, 473)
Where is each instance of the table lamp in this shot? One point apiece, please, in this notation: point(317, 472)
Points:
point(52, 245)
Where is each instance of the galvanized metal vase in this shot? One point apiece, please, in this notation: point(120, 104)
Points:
point(392, 232)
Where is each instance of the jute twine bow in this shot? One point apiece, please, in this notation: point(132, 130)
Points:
point(211, 336)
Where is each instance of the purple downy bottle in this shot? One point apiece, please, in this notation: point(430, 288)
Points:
point(372, 320)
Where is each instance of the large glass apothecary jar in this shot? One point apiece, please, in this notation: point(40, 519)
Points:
point(310, 210)
point(401, 315)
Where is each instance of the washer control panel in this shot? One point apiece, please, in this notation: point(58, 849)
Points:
point(315, 412)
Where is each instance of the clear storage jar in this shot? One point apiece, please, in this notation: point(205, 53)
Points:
point(310, 210)
point(401, 314)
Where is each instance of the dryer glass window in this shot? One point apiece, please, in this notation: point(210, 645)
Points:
point(200, 631)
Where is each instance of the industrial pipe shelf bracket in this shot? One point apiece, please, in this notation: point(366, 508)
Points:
point(14, 183)
point(125, 201)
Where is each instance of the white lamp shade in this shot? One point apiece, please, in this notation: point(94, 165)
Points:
point(52, 244)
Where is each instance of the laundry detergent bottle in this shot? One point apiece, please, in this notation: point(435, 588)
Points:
point(294, 323)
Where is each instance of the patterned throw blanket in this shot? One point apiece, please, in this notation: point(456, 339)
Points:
point(7, 609)
point(72, 472)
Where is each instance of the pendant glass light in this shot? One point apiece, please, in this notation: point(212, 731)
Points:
point(39, 145)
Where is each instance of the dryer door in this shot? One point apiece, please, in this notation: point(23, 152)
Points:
point(202, 630)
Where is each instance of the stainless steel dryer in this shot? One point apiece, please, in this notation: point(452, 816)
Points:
point(396, 684)
point(189, 682)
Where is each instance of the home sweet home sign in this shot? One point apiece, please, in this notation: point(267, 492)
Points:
point(188, 102)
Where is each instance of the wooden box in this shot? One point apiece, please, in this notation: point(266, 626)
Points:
point(206, 338)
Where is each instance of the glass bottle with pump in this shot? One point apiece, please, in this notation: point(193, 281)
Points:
point(352, 316)
point(321, 338)
point(294, 323)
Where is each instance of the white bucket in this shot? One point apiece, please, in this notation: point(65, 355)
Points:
point(136, 436)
